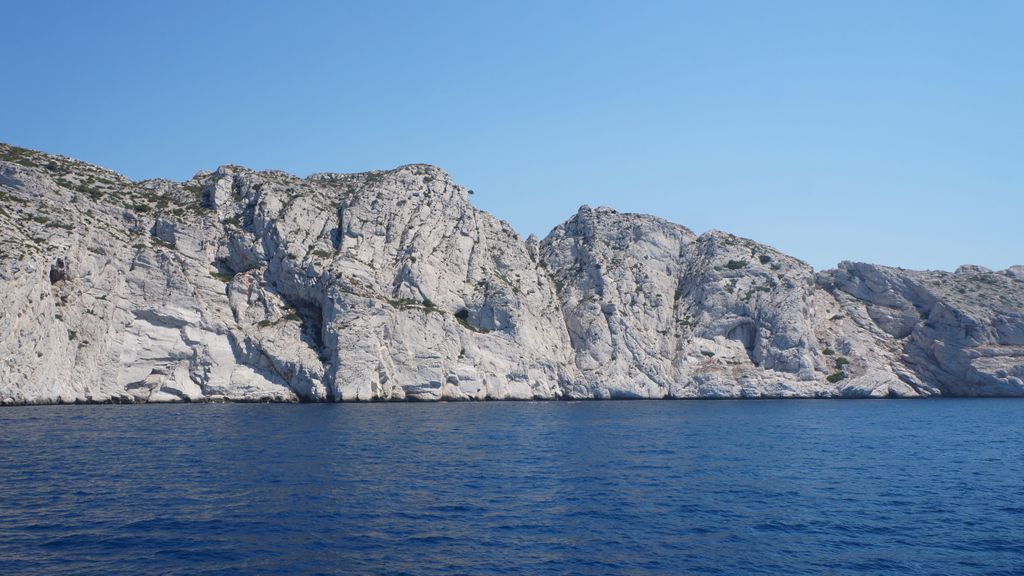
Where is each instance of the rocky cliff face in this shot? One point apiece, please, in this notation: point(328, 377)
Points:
point(243, 285)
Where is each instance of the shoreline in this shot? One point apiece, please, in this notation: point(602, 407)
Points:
point(509, 400)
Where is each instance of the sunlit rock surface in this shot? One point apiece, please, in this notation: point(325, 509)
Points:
point(261, 286)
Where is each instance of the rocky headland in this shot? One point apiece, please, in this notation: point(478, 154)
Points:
point(390, 285)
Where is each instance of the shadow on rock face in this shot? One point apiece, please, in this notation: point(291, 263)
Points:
point(58, 271)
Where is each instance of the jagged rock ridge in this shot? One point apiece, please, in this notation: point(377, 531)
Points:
point(389, 285)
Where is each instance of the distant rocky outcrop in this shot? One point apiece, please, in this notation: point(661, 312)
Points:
point(261, 286)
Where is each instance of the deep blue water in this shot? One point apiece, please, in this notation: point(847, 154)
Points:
point(712, 487)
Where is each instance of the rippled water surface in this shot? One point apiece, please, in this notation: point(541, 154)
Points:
point(897, 487)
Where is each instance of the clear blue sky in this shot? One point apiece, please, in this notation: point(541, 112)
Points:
point(887, 132)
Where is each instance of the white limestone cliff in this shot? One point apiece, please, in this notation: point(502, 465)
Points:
point(261, 286)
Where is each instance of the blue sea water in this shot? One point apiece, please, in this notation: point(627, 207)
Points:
point(630, 487)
